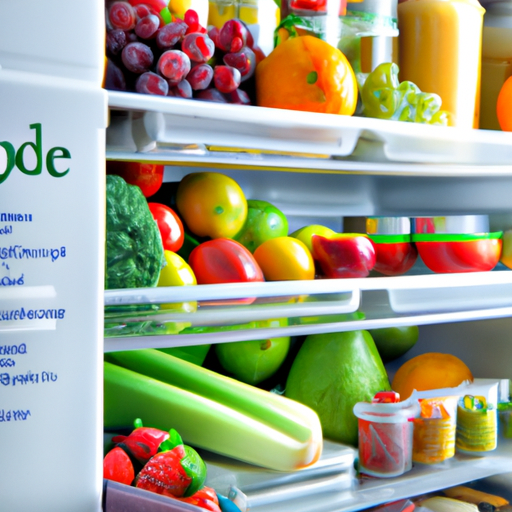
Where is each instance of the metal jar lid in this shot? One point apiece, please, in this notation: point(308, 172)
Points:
point(388, 226)
point(455, 224)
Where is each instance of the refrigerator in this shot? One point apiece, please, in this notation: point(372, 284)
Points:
point(58, 128)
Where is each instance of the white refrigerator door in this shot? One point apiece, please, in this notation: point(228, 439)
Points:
point(52, 155)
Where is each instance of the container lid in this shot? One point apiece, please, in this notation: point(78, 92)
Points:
point(447, 237)
point(400, 412)
point(455, 224)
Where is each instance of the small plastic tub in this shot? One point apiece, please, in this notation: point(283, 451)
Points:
point(385, 432)
point(434, 430)
point(457, 243)
point(447, 253)
point(395, 252)
point(477, 429)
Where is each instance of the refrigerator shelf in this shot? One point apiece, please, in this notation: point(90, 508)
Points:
point(220, 313)
point(199, 131)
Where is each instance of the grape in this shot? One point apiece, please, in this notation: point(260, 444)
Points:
point(213, 34)
point(142, 10)
point(173, 65)
point(116, 40)
point(226, 78)
point(199, 47)
point(200, 76)
point(122, 15)
point(191, 19)
point(147, 27)
point(151, 83)
point(239, 97)
point(114, 78)
point(168, 35)
point(137, 57)
point(211, 95)
point(232, 36)
point(181, 90)
point(244, 61)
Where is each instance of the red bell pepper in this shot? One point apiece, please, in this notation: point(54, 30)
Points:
point(344, 255)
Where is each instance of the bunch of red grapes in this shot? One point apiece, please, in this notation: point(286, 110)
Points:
point(180, 58)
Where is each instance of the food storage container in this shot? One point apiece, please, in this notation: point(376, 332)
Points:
point(385, 432)
point(477, 430)
point(434, 430)
point(396, 254)
point(457, 243)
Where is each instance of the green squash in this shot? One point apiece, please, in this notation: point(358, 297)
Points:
point(331, 373)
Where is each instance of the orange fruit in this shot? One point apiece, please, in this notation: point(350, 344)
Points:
point(504, 106)
point(432, 370)
point(308, 74)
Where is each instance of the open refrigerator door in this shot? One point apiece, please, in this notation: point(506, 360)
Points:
point(53, 121)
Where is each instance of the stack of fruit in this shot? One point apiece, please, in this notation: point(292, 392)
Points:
point(149, 54)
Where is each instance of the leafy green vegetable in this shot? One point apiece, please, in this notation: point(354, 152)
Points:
point(134, 251)
point(384, 97)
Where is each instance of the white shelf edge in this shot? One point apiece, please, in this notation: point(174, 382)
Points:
point(210, 123)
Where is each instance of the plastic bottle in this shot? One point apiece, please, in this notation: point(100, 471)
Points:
point(440, 51)
point(496, 59)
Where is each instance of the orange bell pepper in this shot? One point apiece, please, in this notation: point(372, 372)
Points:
point(308, 74)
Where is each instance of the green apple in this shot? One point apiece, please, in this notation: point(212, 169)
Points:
point(506, 251)
point(253, 361)
point(264, 221)
point(394, 342)
point(304, 234)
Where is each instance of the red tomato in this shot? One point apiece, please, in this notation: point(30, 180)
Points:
point(148, 177)
point(223, 260)
point(170, 226)
point(118, 467)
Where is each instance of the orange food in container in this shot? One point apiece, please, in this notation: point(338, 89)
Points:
point(439, 50)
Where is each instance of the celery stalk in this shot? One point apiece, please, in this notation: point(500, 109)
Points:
point(290, 417)
point(203, 422)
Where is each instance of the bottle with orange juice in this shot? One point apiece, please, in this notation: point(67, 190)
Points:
point(440, 50)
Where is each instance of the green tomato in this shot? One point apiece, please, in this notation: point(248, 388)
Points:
point(394, 342)
point(264, 221)
point(305, 234)
point(254, 361)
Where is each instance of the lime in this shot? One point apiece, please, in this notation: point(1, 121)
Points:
point(393, 342)
point(264, 221)
point(254, 361)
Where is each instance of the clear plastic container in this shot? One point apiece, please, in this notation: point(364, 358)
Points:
point(434, 430)
point(440, 49)
point(385, 437)
point(477, 429)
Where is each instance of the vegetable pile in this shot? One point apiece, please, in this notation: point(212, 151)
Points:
point(158, 461)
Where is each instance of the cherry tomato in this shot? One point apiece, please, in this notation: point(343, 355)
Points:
point(118, 467)
point(504, 106)
point(211, 204)
point(285, 258)
point(170, 226)
point(224, 261)
point(149, 177)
